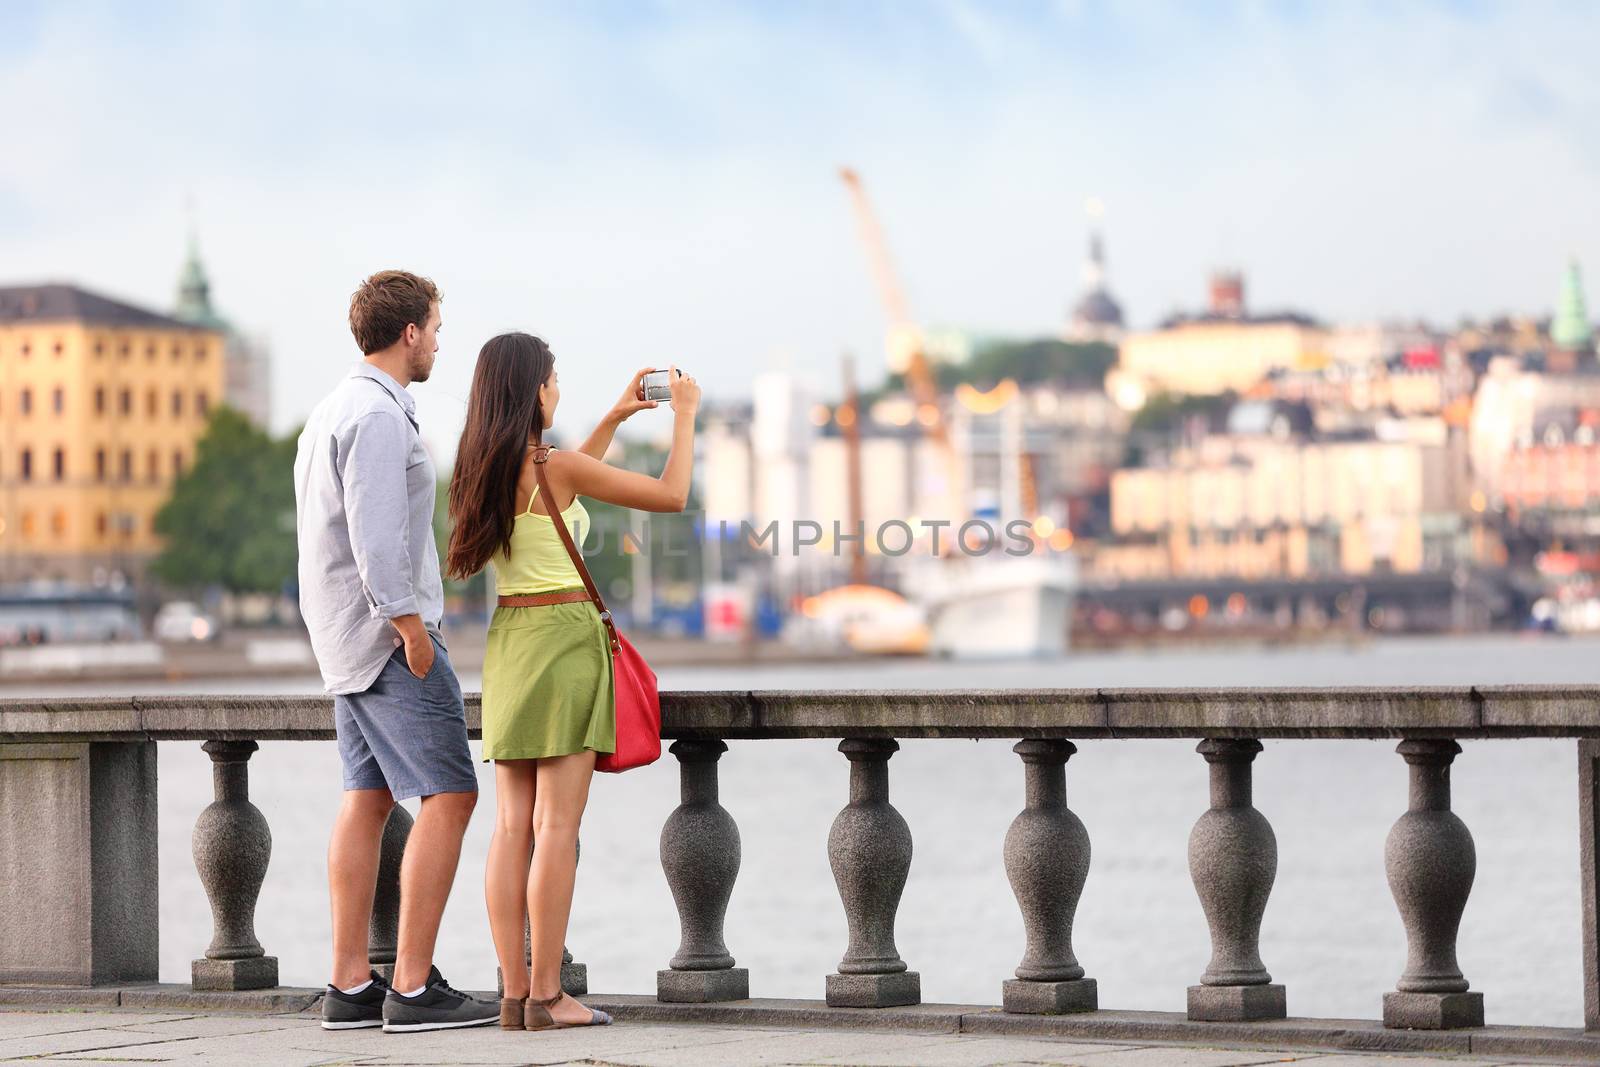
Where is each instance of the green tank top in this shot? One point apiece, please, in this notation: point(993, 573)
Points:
point(538, 561)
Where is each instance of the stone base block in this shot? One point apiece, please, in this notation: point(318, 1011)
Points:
point(874, 990)
point(574, 979)
point(386, 970)
point(1236, 1003)
point(258, 972)
point(702, 987)
point(1432, 1011)
point(1022, 997)
point(79, 829)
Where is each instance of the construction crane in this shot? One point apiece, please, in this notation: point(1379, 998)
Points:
point(906, 352)
point(905, 339)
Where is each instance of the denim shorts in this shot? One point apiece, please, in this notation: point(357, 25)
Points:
point(406, 734)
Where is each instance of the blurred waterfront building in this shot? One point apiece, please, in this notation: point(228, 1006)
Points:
point(1432, 378)
point(1258, 506)
point(1361, 345)
point(247, 365)
point(1521, 338)
point(101, 406)
point(1223, 349)
point(1558, 477)
point(1516, 408)
point(724, 457)
point(1015, 453)
point(892, 463)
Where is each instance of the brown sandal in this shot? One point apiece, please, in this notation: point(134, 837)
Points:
point(536, 1015)
point(511, 1013)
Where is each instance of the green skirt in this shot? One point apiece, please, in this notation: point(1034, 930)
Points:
point(547, 683)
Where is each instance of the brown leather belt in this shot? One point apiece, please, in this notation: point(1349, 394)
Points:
point(534, 600)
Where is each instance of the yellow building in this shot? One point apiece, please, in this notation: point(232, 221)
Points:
point(1213, 355)
point(101, 406)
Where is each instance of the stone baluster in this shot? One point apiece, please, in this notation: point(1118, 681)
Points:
point(383, 933)
point(1430, 861)
point(700, 854)
point(869, 849)
point(232, 845)
point(574, 976)
point(1233, 859)
point(1047, 860)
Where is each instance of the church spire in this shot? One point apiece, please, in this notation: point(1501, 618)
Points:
point(1570, 330)
point(194, 290)
point(1096, 316)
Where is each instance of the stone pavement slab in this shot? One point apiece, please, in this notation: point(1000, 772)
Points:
point(214, 1025)
point(1366, 1060)
point(124, 1037)
point(283, 1047)
point(32, 1024)
point(782, 1047)
point(97, 1040)
point(1169, 1056)
point(958, 1050)
point(492, 1046)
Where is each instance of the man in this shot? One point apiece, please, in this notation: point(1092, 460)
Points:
point(373, 601)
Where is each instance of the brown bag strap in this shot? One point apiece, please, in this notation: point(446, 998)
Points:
point(540, 454)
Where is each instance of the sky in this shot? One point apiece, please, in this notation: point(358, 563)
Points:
point(655, 182)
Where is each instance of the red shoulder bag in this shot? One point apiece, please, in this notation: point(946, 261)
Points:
point(632, 680)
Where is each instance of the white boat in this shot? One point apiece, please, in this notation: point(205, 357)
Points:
point(998, 607)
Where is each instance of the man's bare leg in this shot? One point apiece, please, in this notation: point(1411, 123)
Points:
point(353, 854)
point(426, 875)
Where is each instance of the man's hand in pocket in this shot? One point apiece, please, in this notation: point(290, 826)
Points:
point(419, 656)
point(419, 645)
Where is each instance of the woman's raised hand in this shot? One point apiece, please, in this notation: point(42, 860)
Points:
point(629, 402)
point(685, 390)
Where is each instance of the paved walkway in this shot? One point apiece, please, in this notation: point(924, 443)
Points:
point(124, 1037)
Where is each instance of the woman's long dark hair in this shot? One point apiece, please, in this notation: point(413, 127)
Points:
point(503, 412)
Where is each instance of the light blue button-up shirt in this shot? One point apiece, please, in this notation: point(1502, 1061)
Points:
point(364, 492)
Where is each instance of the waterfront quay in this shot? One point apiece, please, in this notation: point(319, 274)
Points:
point(79, 929)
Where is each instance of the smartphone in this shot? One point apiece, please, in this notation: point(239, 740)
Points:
point(655, 385)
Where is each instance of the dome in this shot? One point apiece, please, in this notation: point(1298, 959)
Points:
point(1097, 309)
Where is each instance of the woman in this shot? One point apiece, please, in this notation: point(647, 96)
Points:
point(548, 704)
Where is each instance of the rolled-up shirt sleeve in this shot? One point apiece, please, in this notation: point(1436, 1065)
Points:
point(372, 471)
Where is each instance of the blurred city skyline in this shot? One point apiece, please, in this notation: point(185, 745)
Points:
point(649, 183)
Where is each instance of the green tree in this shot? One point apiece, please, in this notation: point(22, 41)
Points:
point(1042, 361)
point(1165, 413)
point(230, 519)
point(1072, 364)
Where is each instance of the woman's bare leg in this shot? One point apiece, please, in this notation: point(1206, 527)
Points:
point(505, 876)
point(562, 793)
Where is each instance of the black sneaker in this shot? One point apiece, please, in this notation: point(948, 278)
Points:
point(354, 1011)
point(437, 1007)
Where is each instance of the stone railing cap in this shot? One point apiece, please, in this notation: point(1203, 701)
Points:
point(1357, 711)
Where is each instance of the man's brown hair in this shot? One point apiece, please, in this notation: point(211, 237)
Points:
point(385, 304)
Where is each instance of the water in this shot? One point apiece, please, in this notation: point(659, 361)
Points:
point(1331, 932)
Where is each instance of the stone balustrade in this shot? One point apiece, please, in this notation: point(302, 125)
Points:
point(78, 833)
